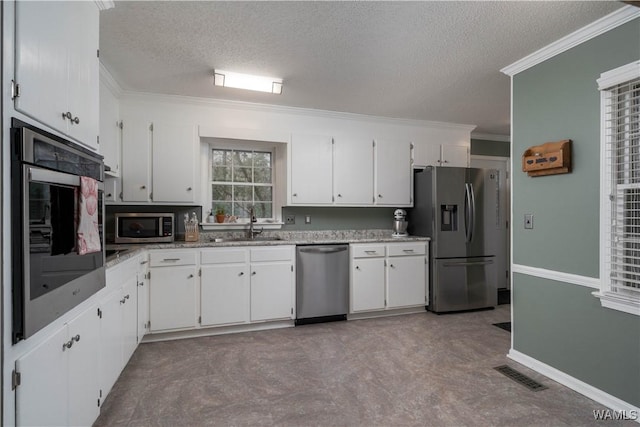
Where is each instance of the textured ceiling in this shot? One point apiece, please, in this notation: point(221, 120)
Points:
point(435, 61)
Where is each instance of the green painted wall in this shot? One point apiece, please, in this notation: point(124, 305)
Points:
point(557, 323)
point(483, 147)
point(340, 218)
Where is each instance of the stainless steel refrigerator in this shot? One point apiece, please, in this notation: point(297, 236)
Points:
point(458, 209)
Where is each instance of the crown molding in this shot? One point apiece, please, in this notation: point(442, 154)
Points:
point(491, 137)
point(596, 28)
point(105, 4)
point(109, 81)
point(619, 75)
point(270, 108)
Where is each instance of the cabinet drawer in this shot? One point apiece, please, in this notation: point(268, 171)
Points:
point(223, 256)
point(272, 254)
point(402, 249)
point(367, 251)
point(171, 258)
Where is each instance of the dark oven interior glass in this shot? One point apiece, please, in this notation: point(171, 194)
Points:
point(139, 227)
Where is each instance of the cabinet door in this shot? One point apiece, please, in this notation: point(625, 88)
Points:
point(110, 135)
point(129, 310)
point(406, 281)
point(353, 171)
point(311, 170)
point(111, 362)
point(367, 284)
point(393, 173)
point(43, 39)
point(143, 300)
point(136, 144)
point(174, 162)
point(172, 298)
point(41, 398)
point(224, 294)
point(83, 365)
point(111, 189)
point(455, 156)
point(271, 291)
point(84, 75)
point(426, 153)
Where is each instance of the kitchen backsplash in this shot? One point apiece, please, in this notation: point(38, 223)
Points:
point(334, 218)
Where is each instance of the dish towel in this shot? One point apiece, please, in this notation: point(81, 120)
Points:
point(88, 230)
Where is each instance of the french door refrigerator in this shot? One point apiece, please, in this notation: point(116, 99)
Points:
point(458, 209)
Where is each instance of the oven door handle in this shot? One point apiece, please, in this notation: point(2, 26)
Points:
point(53, 177)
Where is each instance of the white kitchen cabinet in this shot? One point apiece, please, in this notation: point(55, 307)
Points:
point(159, 161)
point(271, 291)
point(56, 66)
point(110, 130)
point(142, 277)
point(112, 189)
point(58, 385)
point(136, 160)
point(353, 171)
point(450, 155)
point(393, 173)
point(129, 308)
point(172, 290)
point(224, 282)
point(311, 166)
point(388, 276)
point(175, 147)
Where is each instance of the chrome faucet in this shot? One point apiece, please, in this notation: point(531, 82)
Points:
point(252, 219)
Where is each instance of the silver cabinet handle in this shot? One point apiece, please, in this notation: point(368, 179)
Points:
point(142, 187)
point(123, 300)
point(170, 259)
point(339, 195)
point(380, 196)
point(357, 267)
point(76, 338)
point(190, 276)
point(188, 188)
point(67, 115)
point(392, 266)
point(108, 194)
point(241, 273)
point(67, 345)
point(75, 120)
point(466, 264)
point(253, 273)
point(295, 194)
point(126, 296)
point(140, 284)
point(409, 251)
point(143, 262)
point(371, 252)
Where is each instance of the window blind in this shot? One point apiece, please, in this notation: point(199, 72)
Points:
point(622, 131)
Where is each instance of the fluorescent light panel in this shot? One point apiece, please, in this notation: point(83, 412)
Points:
point(247, 81)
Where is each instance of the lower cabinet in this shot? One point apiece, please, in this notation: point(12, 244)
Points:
point(172, 290)
point(142, 276)
point(241, 285)
point(388, 276)
point(58, 382)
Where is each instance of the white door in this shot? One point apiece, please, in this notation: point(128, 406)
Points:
point(174, 162)
point(129, 308)
point(353, 171)
point(271, 291)
point(224, 294)
point(83, 365)
point(172, 298)
point(143, 301)
point(455, 156)
point(501, 237)
point(406, 281)
point(367, 284)
point(41, 398)
point(136, 172)
point(111, 363)
point(393, 173)
point(311, 169)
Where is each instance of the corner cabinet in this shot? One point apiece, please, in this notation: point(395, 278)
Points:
point(56, 66)
point(59, 385)
point(388, 276)
point(159, 161)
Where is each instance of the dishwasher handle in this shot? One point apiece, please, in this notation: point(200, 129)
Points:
point(322, 249)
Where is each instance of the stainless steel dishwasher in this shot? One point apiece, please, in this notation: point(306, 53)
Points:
point(322, 283)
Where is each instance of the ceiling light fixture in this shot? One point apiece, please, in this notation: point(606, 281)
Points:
point(247, 81)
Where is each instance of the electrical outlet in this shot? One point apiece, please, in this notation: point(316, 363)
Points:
point(528, 221)
point(291, 219)
point(307, 219)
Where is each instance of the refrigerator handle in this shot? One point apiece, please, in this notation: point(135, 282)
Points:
point(473, 212)
point(467, 212)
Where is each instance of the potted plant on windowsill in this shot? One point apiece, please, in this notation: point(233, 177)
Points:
point(220, 214)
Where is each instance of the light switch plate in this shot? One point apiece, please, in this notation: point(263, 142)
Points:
point(528, 221)
point(307, 219)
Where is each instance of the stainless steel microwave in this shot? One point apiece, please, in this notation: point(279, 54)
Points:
point(144, 227)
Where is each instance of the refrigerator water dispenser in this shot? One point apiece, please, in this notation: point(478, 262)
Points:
point(449, 217)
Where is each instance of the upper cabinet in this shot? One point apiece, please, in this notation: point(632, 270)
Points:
point(159, 161)
point(56, 66)
point(110, 130)
point(433, 154)
point(349, 171)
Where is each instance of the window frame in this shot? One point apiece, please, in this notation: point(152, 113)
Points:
point(610, 297)
point(276, 165)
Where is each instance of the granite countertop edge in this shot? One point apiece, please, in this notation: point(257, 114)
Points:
point(133, 250)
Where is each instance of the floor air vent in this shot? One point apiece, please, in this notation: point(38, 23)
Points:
point(530, 383)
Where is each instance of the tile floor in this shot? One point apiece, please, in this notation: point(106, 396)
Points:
point(421, 369)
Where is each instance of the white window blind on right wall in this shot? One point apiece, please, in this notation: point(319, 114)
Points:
point(620, 177)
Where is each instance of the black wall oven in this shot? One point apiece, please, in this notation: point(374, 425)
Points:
point(49, 276)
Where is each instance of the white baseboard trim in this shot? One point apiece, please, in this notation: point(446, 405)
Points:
point(589, 282)
point(575, 384)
